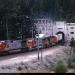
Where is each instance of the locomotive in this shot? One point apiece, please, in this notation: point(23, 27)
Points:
point(29, 44)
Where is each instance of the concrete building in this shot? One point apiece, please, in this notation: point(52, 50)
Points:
point(61, 28)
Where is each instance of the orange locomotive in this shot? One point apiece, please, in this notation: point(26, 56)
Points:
point(50, 41)
point(31, 43)
point(3, 45)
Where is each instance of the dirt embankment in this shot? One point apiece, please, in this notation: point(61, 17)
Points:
point(48, 62)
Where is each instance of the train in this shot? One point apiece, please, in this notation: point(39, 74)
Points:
point(29, 44)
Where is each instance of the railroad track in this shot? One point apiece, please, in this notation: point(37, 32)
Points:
point(13, 55)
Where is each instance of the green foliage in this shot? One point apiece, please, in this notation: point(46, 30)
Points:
point(74, 50)
point(73, 65)
point(71, 61)
point(72, 42)
point(73, 58)
point(12, 12)
point(60, 68)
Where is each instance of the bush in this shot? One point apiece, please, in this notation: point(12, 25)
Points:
point(60, 68)
point(74, 50)
point(72, 42)
point(70, 63)
point(73, 65)
point(71, 60)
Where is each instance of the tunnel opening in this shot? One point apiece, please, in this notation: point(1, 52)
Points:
point(61, 37)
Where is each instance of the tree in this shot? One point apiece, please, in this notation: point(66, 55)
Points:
point(13, 15)
point(7, 11)
point(24, 15)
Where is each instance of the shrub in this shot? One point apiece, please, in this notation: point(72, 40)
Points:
point(73, 65)
point(72, 42)
point(74, 50)
point(71, 60)
point(70, 63)
point(60, 68)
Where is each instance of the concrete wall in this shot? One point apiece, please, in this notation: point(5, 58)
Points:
point(44, 26)
point(48, 27)
point(70, 30)
point(60, 26)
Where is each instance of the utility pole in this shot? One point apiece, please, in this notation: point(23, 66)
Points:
point(37, 37)
point(52, 28)
point(41, 50)
point(38, 45)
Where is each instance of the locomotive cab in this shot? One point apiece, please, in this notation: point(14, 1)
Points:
point(3, 46)
point(30, 44)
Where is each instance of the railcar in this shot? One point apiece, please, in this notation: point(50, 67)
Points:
point(42, 43)
point(29, 44)
point(10, 46)
point(50, 41)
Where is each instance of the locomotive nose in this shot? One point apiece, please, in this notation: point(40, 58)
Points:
point(2, 45)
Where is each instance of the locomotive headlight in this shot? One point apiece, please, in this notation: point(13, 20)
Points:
point(39, 35)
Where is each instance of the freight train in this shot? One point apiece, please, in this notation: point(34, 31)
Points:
point(29, 44)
